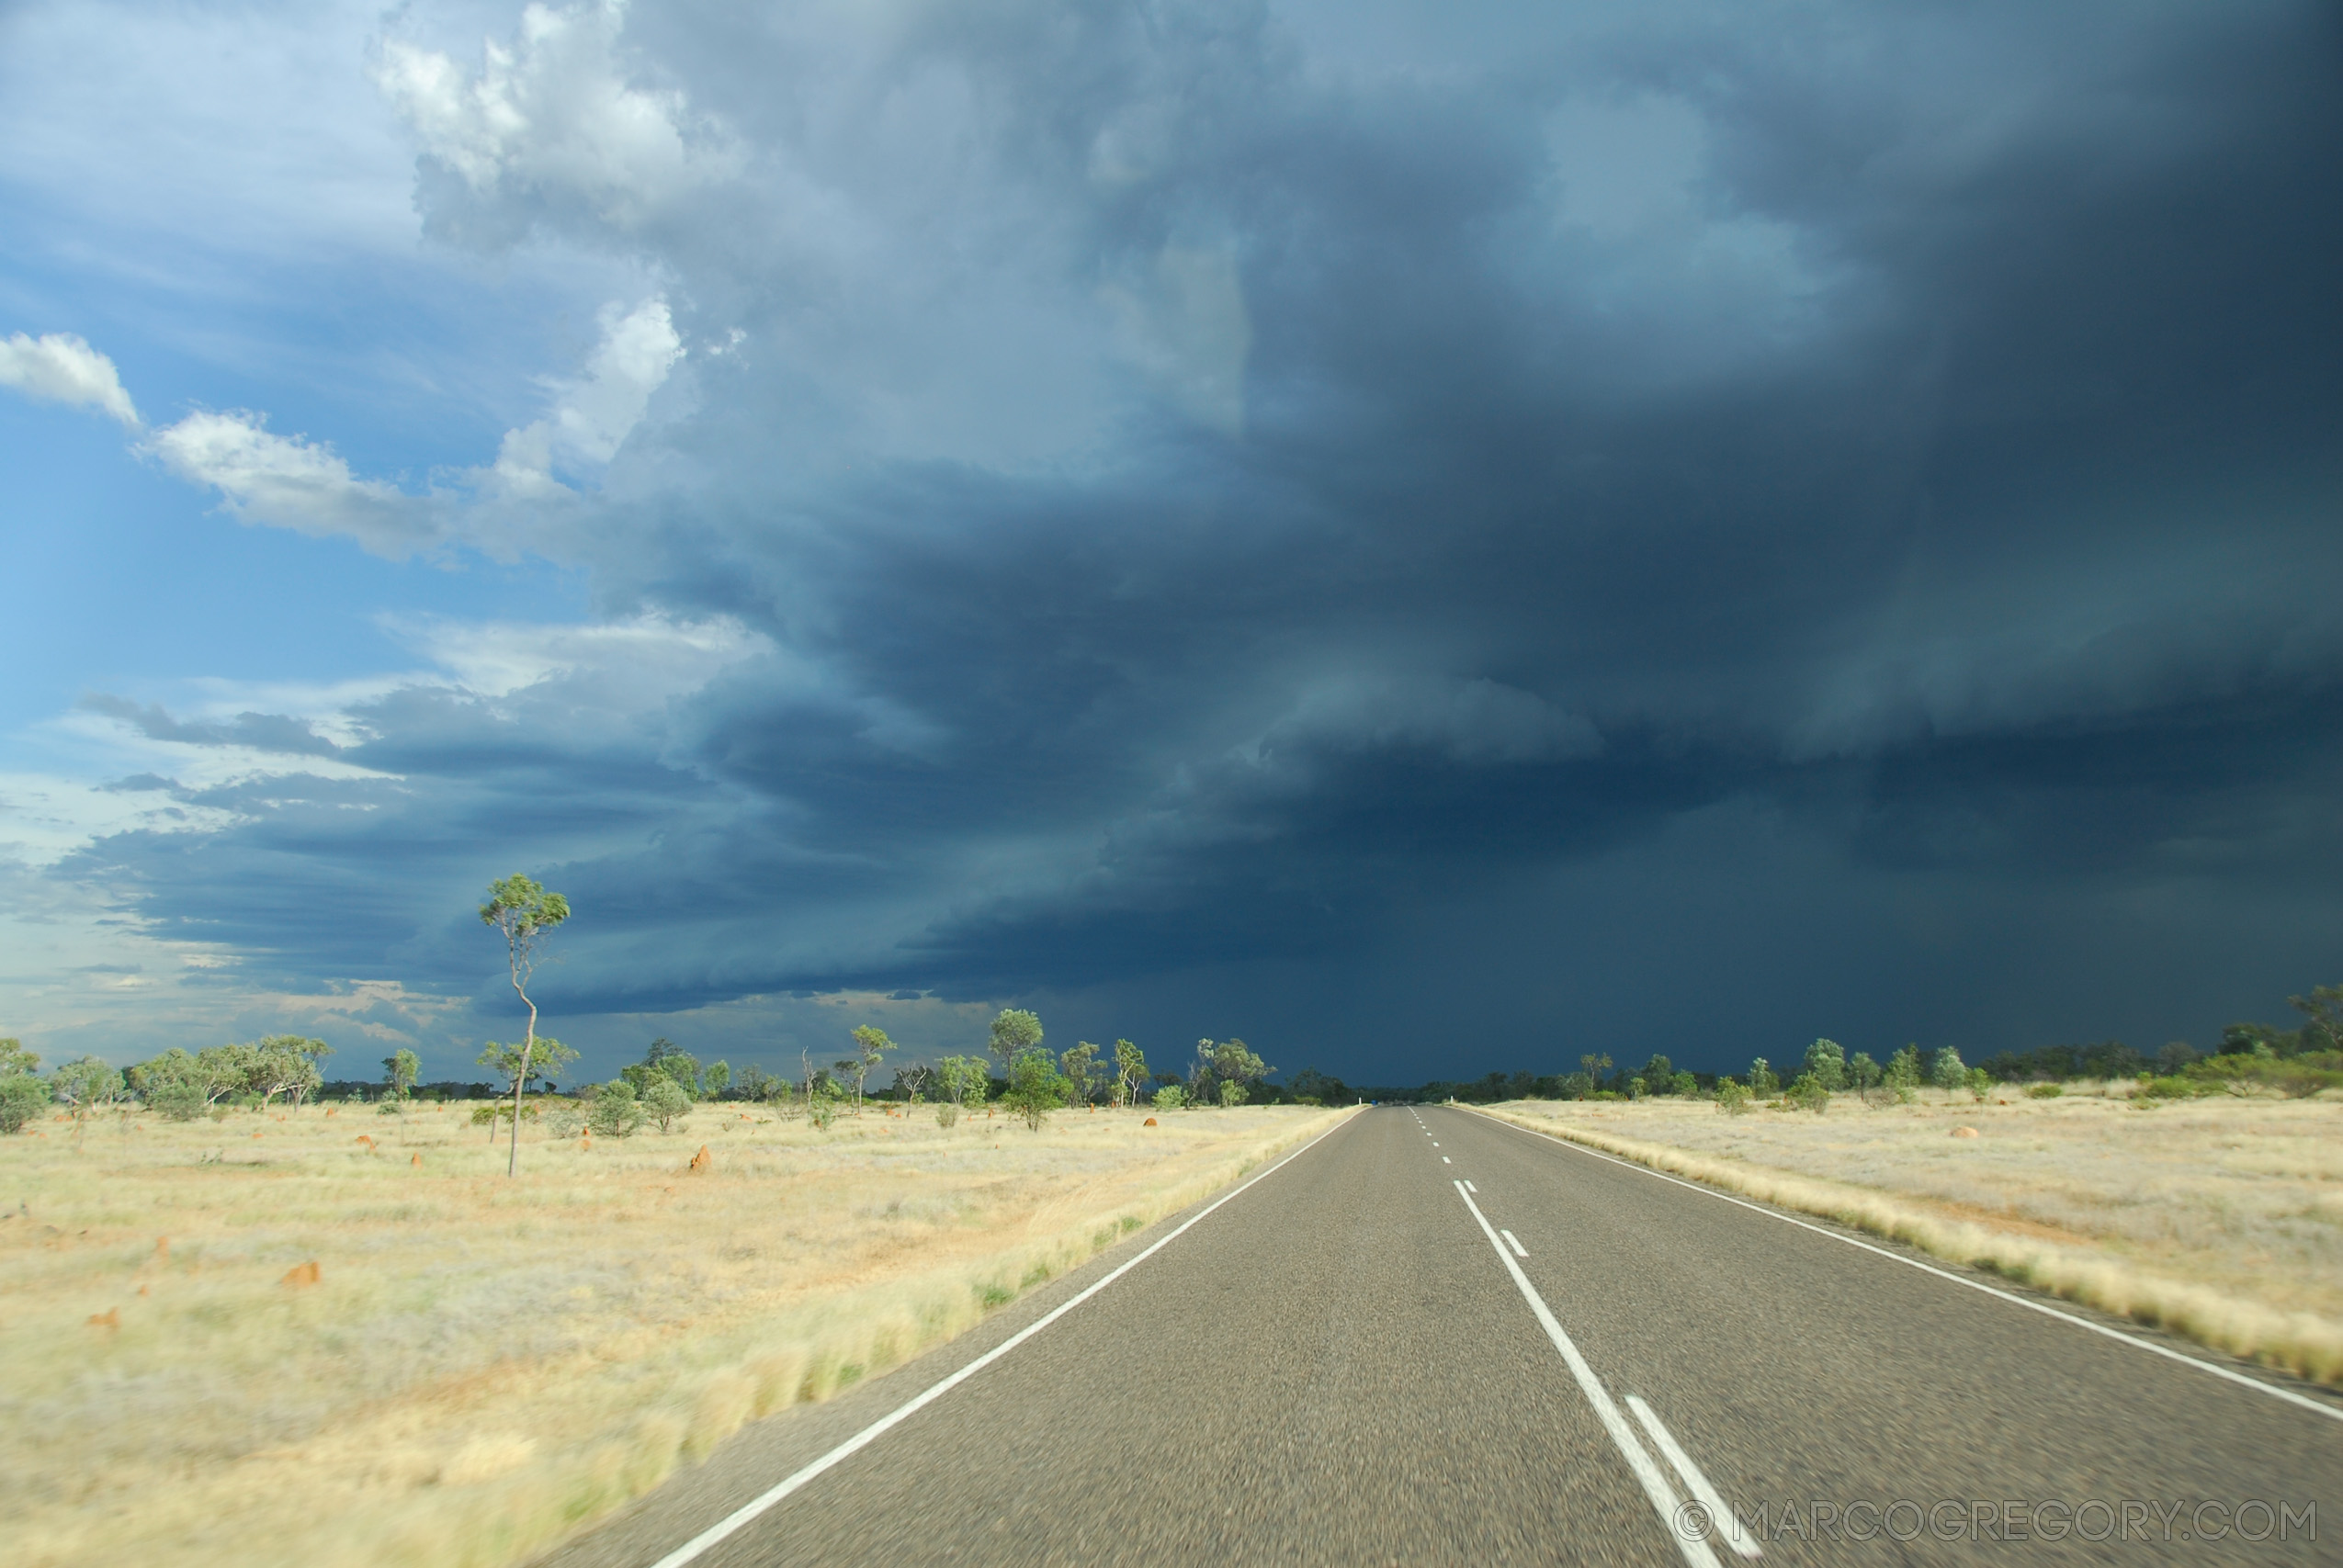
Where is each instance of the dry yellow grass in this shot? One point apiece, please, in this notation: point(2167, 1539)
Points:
point(2221, 1218)
point(266, 1340)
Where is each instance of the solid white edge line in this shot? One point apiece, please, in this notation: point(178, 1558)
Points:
point(1720, 1513)
point(1663, 1497)
point(750, 1510)
point(1511, 1240)
point(2332, 1411)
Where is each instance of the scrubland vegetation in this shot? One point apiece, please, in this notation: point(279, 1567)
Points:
point(332, 1335)
point(2217, 1215)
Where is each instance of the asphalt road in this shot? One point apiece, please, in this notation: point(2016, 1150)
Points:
point(1346, 1363)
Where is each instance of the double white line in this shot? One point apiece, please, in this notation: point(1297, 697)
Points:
point(1675, 1508)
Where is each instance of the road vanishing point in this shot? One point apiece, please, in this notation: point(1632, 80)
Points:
point(1429, 1336)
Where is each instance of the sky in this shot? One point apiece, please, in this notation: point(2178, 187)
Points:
point(1430, 537)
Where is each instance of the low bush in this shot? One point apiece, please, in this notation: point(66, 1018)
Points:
point(1807, 1094)
point(176, 1102)
point(2297, 1077)
point(22, 1098)
point(615, 1112)
point(665, 1101)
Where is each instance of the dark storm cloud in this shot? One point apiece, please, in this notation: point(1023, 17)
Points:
point(1936, 450)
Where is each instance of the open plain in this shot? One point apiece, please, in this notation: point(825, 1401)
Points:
point(2219, 1218)
point(346, 1337)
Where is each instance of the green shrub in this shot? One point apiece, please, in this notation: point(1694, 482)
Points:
point(1950, 1071)
point(1904, 1074)
point(665, 1101)
point(1732, 1098)
point(1232, 1094)
point(1807, 1094)
point(946, 1113)
point(176, 1102)
point(2045, 1091)
point(1762, 1083)
point(1171, 1096)
point(2297, 1077)
point(22, 1098)
point(616, 1111)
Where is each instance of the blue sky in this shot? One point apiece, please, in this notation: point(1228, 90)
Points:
point(1432, 539)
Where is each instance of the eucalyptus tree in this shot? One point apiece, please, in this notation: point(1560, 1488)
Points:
point(666, 1057)
point(1013, 1030)
point(870, 1045)
point(401, 1068)
point(1903, 1073)
point(525, 914)
point(966, 1082)
point(1826, 1060)
point(1035, 1086)
point(1220, 1063)
point(85, 1085)
point(287, 1065)
point(1081, 1071)
point(1130, 1072)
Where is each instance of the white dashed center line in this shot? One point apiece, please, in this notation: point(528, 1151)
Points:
point(1512, 1241)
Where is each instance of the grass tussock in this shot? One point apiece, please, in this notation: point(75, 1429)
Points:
point(2218, 1220)
point(475, 1367)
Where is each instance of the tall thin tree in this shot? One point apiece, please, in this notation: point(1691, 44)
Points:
point(526, 913)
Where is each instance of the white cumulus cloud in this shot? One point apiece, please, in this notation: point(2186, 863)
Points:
point(594, 413)
point(550, 115)
point(293, 482)
point(60, 367)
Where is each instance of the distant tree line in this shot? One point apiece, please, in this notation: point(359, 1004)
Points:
point(2298, 1061)
point(1015, 1073)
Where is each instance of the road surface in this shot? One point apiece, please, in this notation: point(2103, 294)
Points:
point(1429, 1337)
